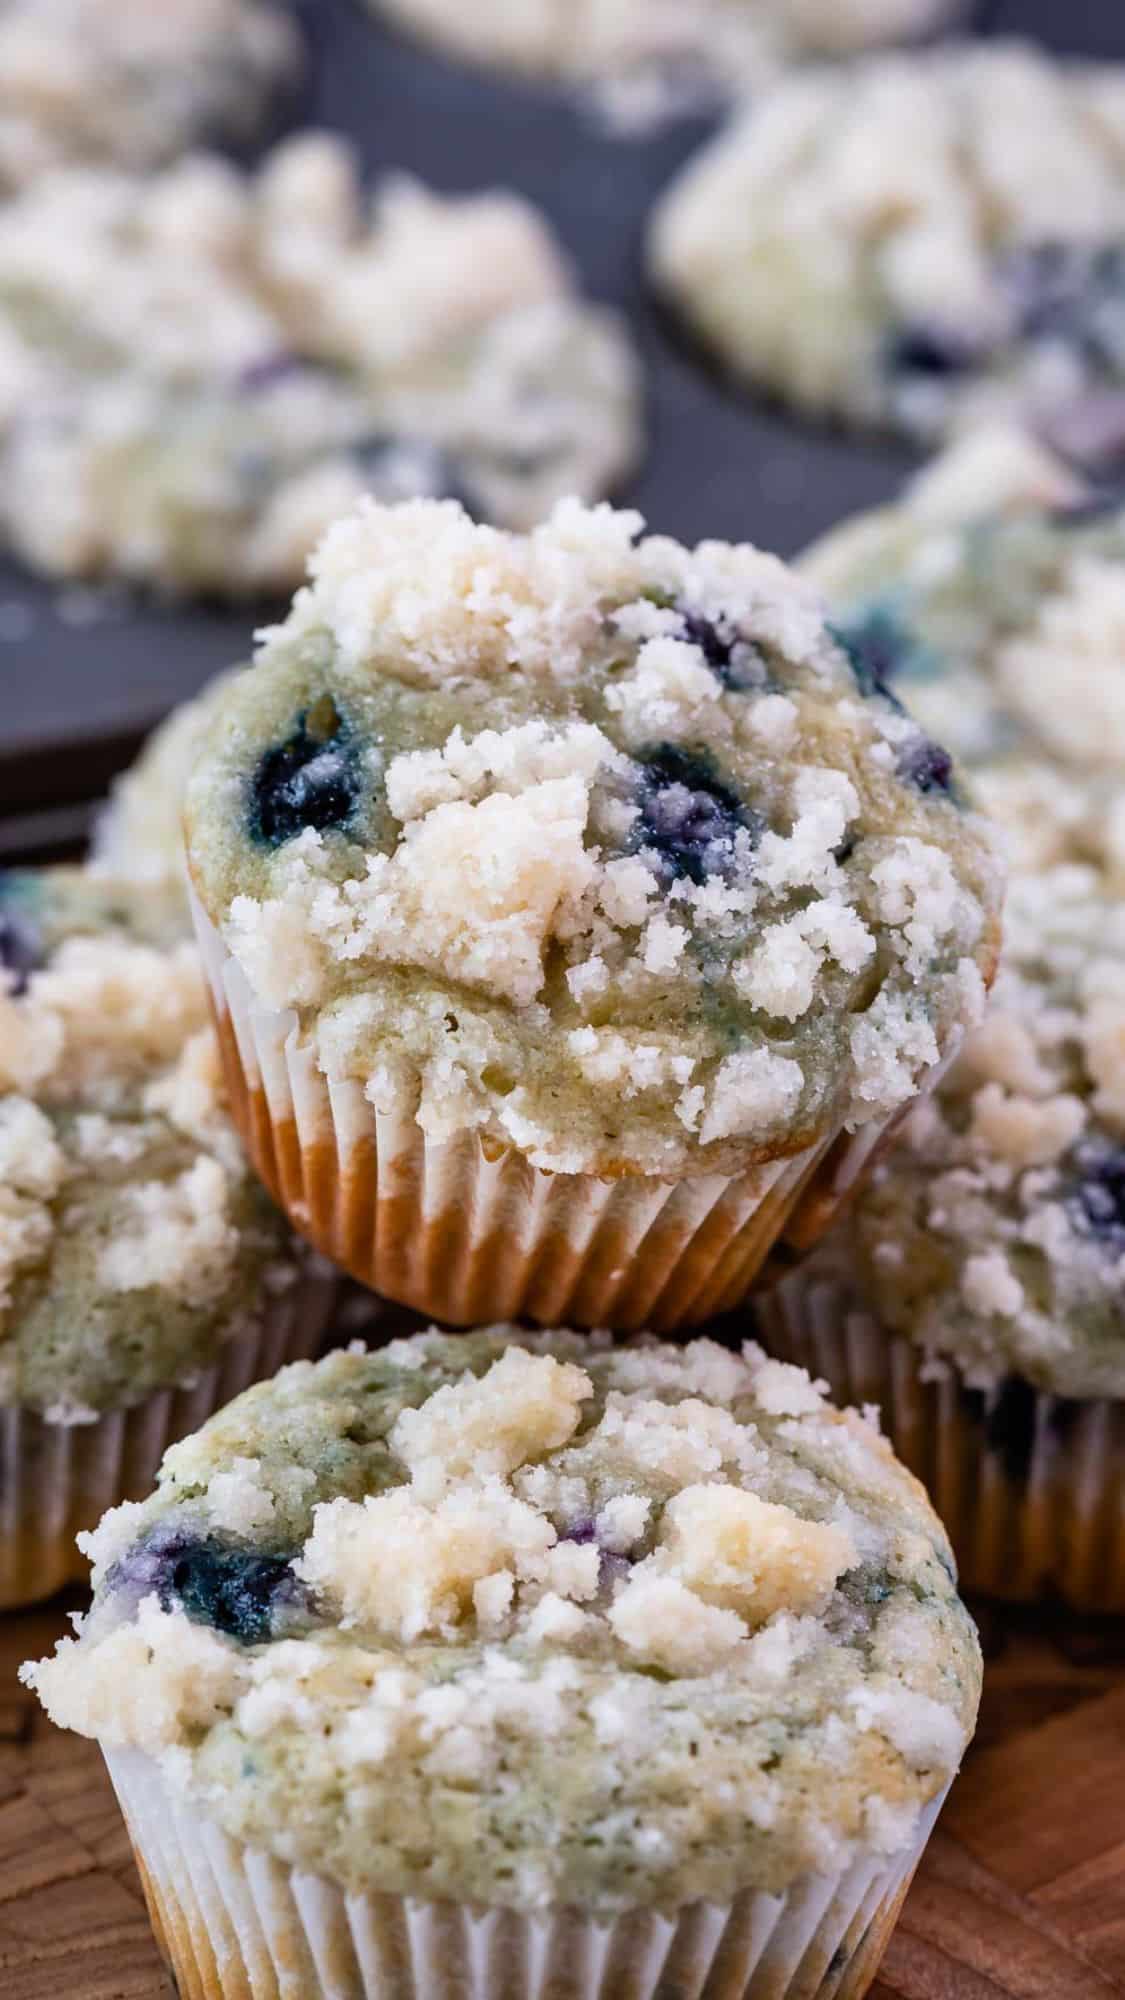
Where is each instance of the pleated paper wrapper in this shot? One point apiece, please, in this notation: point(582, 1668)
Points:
point(470, 1233)
point(235, 1923)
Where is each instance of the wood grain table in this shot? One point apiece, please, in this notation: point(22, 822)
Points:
point(1021, 1895)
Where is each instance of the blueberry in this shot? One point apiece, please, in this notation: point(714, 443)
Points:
point(926, 765)
point(312, 779)
point(689, 815)
point(21, 946)
point(928, 351)
point(1074, 293)
point(732, 659)
point(233, 1589)
point(583, 1532)
point(879, 647)
point(1100, 504)
point(613, 1568)
point(404, 468)
point(260, 376)
point(1097, 1203)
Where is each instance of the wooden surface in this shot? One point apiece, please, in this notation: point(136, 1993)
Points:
point(1021, 1895)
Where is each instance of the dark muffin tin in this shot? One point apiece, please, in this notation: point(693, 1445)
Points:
point(86, 674)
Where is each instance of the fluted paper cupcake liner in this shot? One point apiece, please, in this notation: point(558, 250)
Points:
point(237, 1924)
point(57, 1479)
point(1031, 1486)
point(469, 1232)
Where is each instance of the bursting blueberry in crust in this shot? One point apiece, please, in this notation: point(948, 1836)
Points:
point(926, 765)
point(1097, 1203)
point(880, 648)
point(234, 1590)
point(928, 353)
point(21, 947)
point(384, 458)
point(731, 658)
point(310, 780)
point(688, 816)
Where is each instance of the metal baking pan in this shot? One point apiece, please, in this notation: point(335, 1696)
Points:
point(86, 674)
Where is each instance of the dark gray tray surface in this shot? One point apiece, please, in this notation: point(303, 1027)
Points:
point(717, 464)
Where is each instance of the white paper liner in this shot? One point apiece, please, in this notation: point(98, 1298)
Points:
point(58, 1479)
point(470, 1234)
point(1030, 1486)
point(237, 1924)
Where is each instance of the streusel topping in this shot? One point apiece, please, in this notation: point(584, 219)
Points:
point(134, 83)
point(994, 595)
point(201, 368)
point(611, 849)
point(922, 241)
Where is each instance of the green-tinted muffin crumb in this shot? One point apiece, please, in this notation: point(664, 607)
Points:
point(531, 1619)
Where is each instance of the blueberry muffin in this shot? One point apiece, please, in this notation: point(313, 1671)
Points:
point(986, 1257)
point(650, 59)
point(139, 834)
point(134, 83)
point(992, 598)
point(918, 243)
point(200, 369)
point(513, 1644)
point(143, 1271)
point(578, 892)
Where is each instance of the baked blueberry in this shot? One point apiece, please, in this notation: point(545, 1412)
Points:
point(731, 658)
point(924, 763)
point(400, 467)
point(258, 377)
point(931, 352)
point(235, 1590)
point(1072, 293)
point(689, 816)
point(310, 780)
point(880, 647)
point(21, 945)
point(1097, 1205)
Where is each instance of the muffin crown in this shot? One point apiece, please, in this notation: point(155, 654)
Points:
point(616, 851)
point(526, 1619)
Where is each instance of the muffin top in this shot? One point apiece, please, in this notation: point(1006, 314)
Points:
point(995, 1230)
point(133, 82)
point(535, 1619)
point(919, 241)
point(200, 368)
point(994, 595)
point(133, 1240)
point(607, 848)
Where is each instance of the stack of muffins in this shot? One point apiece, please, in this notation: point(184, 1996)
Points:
point(580, 914)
